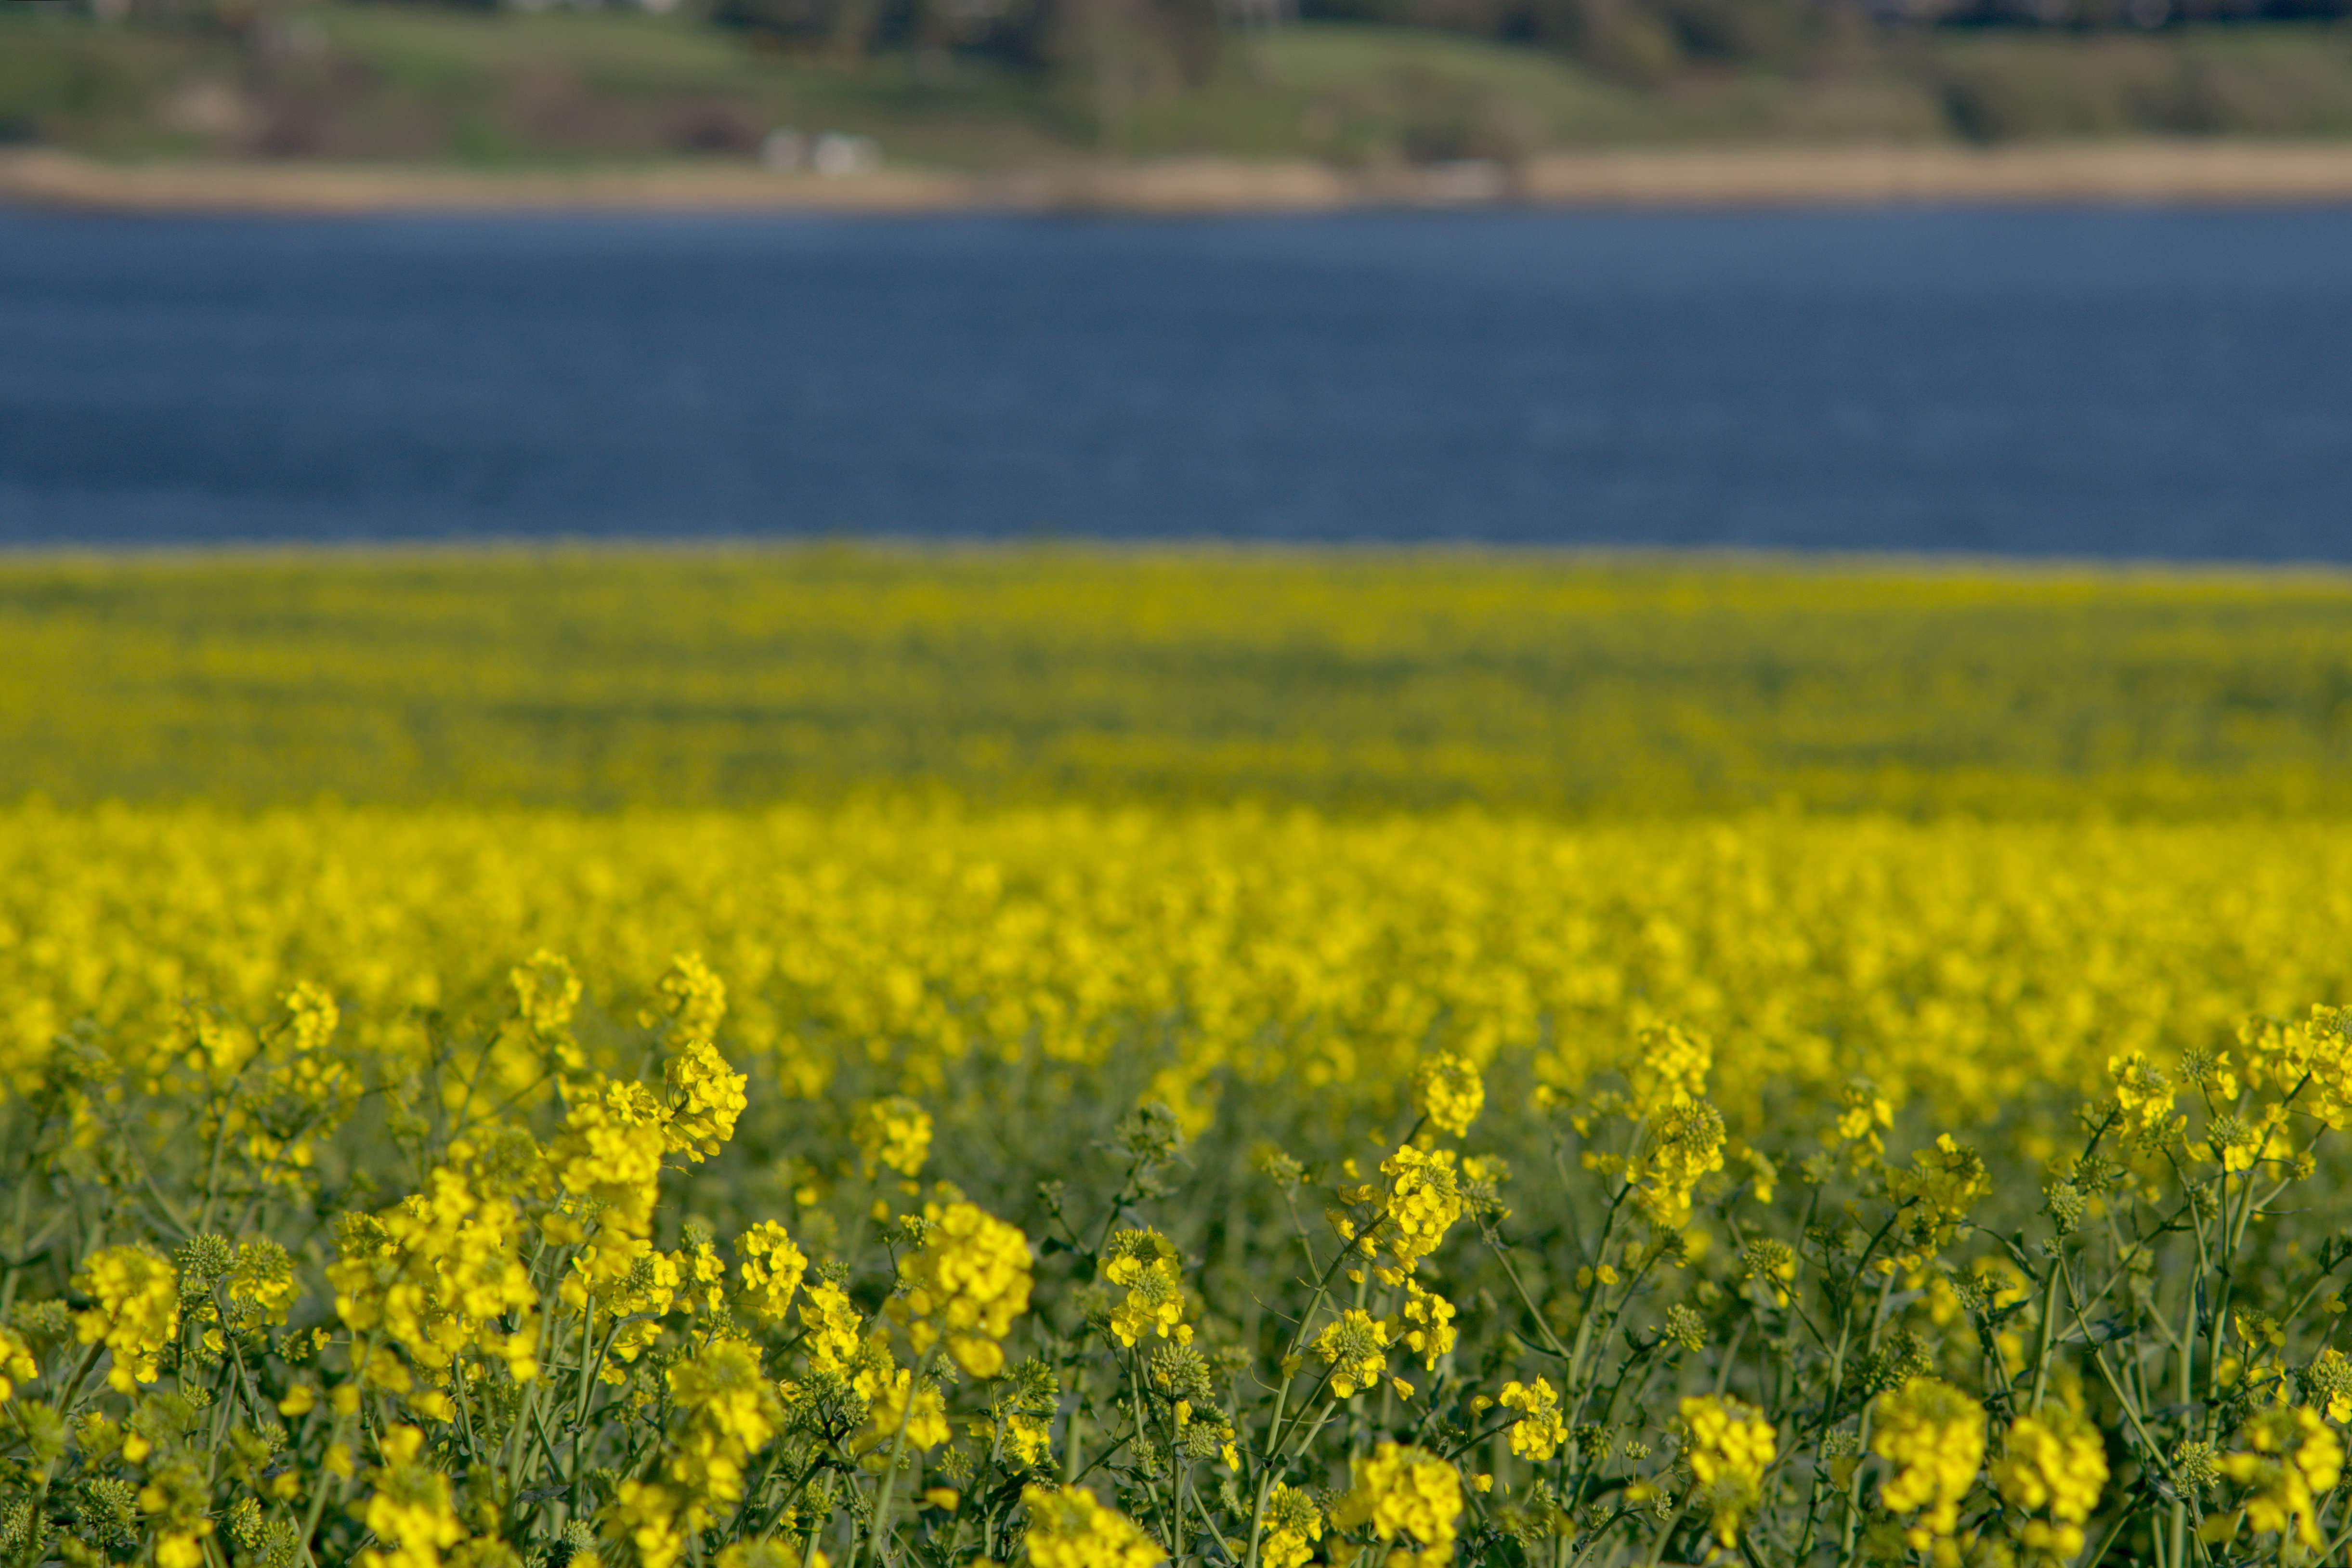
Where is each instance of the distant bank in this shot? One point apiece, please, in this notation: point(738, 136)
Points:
point(2144, 171)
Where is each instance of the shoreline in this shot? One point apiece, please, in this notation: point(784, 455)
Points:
point(2315, 574)
point(2218, 174)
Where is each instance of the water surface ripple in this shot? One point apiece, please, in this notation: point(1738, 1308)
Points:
point(2091, 382)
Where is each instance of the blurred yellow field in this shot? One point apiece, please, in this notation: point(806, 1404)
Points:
point(1346, 680)
point(776, 1061)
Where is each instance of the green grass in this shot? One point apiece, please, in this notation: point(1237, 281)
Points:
point(1352, 679)
point(385, 82)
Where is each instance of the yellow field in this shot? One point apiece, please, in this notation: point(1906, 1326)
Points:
point(1247, 1061)
point(1345, 680)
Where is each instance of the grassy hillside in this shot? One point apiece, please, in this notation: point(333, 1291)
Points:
point(507, 88)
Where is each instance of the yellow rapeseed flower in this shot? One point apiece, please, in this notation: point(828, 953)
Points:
point(1728, 1446)
point(894, 1132)
point(1933, 1435)
point(16, 1363)
point(966, 1284)
point(138, 1311)
point(1408, 1492)
point(1146, 1264)
point(1540, 1428)
point(1293, 1525)
point(1448, 1092)
point(772, 1269)
point(1356, 1347)
point(1070, 1528)
point(2054, 1462)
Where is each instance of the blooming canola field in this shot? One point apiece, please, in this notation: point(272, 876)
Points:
point(1040, 1112)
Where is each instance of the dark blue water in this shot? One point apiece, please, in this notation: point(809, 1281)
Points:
point(2141, 383)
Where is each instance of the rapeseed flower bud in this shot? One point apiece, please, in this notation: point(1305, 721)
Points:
point(1147, 1265)
point(1945, 1181)
point(1404, 1491)
point(1728, 1446)
point(2142, 1091)
point(2328, 1383)
point(967, 1283)
point(1293, 1525)
point(1539, 1430)
point(1070, 1528)
point(1934, 1437)
point(1685, 1147)
point(1771, 1263)
point(1448, 1092)
point(138, 1311)
point(1356, 1348)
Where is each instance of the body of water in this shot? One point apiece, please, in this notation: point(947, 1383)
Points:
point(2117, 383)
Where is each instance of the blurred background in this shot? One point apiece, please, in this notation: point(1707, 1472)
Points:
point(2004, 277)
point(995, 84)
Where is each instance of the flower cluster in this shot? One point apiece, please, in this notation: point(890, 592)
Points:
point(138, 1312)
point(773, 1269)
point(440, 1274)
point(1355, 1347)
point(1932, 1437)
point(408, 1508)
point(894, 1132)
point(1070, 1528)
point(1728, 1446)
point(1422, 1201)
point(1145, 1264)
point(1449, 1093)
point(1407, 1493)
point(2054, 1462)
point(1293, 1525)
point(2291, 1460)
point(966, 1284)
point(1540, 1429)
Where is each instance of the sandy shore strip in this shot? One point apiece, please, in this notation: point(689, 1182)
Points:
point(2213, 172)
